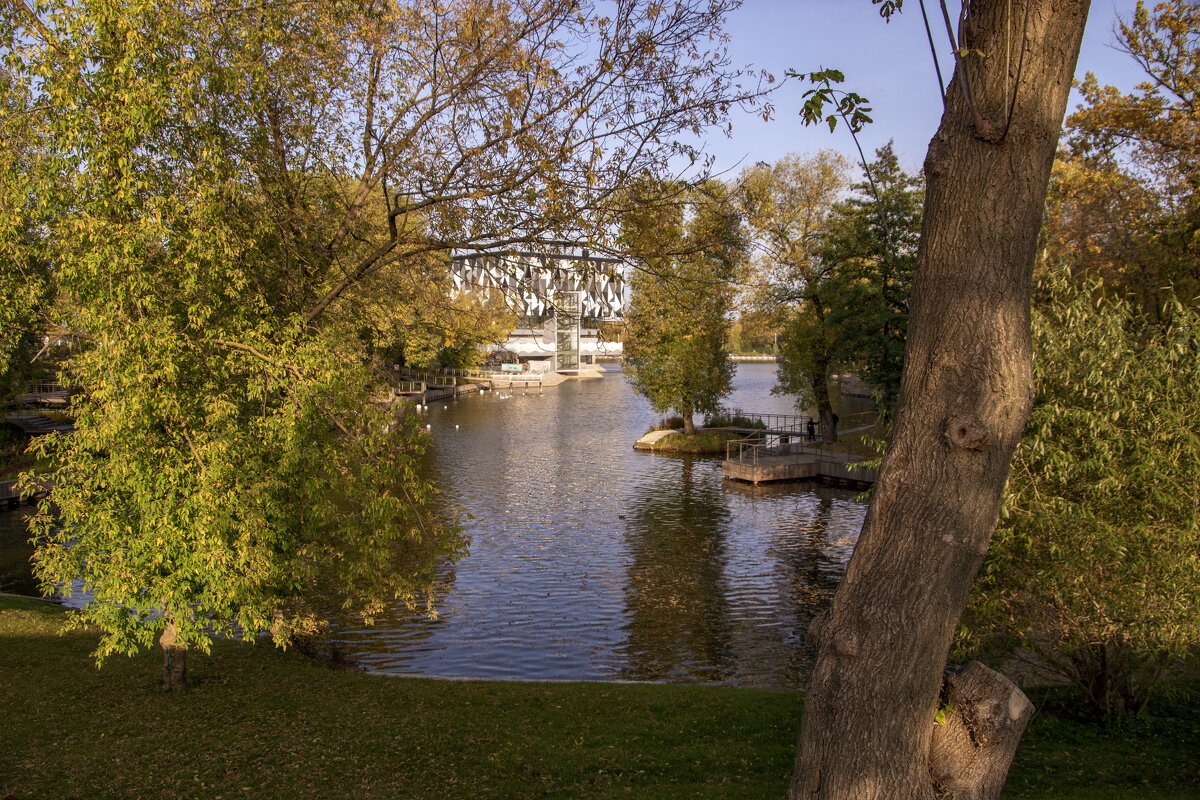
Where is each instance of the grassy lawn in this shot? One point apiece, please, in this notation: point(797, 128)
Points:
point(260, 723)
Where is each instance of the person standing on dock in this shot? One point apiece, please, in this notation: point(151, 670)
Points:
point(812, 429)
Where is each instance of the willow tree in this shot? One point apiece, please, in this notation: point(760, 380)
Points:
point(216, 187)
point(870, 726)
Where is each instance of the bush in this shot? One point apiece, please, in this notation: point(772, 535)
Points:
point(668, 424)
point(724, 419)
point(1094, 570)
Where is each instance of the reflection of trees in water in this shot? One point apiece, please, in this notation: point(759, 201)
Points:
point(16, 573)
point(811, 576)
point(807, 532)
point(675, 592)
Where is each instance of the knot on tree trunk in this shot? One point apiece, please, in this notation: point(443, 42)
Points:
point(965, 433)
point(973, 746)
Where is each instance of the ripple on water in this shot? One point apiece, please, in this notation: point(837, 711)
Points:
point(591, 561)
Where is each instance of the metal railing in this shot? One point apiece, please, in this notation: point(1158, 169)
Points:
point(449, 377)
point(786, 435)
point(754, 449)
point(790, 423)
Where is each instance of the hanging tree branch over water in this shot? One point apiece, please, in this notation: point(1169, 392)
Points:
point(230, 194)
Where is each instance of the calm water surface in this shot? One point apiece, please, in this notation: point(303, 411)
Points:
point(590, 560)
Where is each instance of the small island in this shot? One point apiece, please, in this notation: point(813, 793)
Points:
point(705, 441)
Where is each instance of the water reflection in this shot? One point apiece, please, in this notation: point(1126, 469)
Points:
point(676, 586)
point(592, 561)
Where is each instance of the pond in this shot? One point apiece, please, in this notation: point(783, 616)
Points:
point(592, 561)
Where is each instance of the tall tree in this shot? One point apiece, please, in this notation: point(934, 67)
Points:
point(868, 729)
point(869, 252)
point(1125, 199)
point(216, 186)
point(787, 206)
point(23, 274)
point(686, 245)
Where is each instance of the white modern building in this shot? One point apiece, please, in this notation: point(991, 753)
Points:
point(561, 301)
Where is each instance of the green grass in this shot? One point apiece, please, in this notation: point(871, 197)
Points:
point(1153, 756)
point(261, 723)
point(702, 442)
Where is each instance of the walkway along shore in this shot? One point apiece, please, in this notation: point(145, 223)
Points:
point(766, 456)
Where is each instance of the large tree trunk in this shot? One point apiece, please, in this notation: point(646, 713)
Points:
point(965, 394)
point(174, 661)
point(820, 390)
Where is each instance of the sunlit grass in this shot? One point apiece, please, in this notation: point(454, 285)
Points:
point(264, 724)
point(702, 442)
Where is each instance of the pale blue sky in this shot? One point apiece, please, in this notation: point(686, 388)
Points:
point(888, 63)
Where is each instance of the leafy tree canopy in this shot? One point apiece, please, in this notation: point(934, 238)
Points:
point(788, 206)
point(228, 196)
point(687, 245)
point(1095, 567)
point(1124, 201)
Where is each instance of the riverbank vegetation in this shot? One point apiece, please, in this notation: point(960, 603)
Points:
point(704, 442)
point(686, 246)
point(1092, 574)
point(244, 210)
point(258, 722)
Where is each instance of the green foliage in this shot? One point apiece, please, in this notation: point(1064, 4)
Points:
point(836, 272)
point(1095, 567)
point(851, 107)
point(809, 352)
point(702, 442)
point(247, 208)
point(787, 205)
point(686, 246)
point(726, 419)
point(869, 254)
point(228, 474)
point(24, 276)
point(888, 7)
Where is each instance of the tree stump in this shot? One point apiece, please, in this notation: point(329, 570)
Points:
point(971, 750)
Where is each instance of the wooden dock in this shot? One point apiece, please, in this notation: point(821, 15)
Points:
point(763, 459)
point(9, 496)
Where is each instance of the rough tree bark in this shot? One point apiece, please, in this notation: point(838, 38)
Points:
point(965, 394)
point(174, 677)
